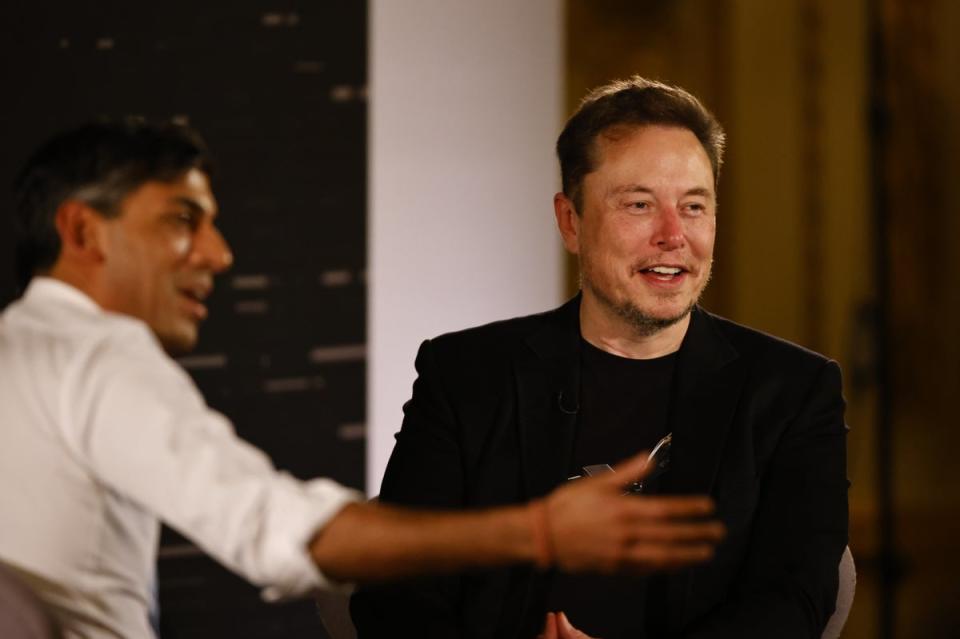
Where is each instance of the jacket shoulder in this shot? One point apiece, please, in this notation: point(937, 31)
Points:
point(495, 338)
point(765, 349)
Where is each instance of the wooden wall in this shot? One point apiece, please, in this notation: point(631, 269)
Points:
point(798, 228)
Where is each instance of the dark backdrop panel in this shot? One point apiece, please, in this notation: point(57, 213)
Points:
point(279, 91)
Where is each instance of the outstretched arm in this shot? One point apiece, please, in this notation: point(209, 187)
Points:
point(585, 525)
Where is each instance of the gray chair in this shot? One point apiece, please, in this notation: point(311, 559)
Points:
point(334, 609)
point(848, 586)
point(22, 614)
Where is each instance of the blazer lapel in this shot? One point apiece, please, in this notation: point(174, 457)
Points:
point(709, 380)
point(706, 391)
point(547, 375)
point(548, 398)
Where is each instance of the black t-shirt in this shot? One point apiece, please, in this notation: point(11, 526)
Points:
point(624, 404)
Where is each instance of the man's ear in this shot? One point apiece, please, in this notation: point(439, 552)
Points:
point(81, 231)
point(568, 221)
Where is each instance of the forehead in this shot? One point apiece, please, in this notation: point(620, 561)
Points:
point(653, 148)
point(191, 190)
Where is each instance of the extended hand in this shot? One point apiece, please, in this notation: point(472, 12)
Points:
point(585, 525)
point(591, 525)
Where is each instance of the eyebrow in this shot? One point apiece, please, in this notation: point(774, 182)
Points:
point(639, 188)
point(190, 203)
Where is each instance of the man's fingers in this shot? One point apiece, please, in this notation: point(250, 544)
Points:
point(549, 627)
point(629, 470)
point(646, 506)
point(655, 507)
point(566, 629)
point(636, 533)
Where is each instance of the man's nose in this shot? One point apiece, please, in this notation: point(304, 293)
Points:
point(210, 249)
point(668, 235)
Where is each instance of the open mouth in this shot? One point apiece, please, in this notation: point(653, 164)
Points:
point(663, 273)
point(195, 298)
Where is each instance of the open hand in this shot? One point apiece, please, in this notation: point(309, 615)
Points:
point(593, 526)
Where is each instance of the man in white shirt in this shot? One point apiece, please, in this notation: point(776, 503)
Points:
point(102, 435)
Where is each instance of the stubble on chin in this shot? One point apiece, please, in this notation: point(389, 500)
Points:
point(644, 324)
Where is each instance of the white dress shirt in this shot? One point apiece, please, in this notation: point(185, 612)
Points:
point(101, 435)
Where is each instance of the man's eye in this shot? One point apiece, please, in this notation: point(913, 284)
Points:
point(188, 220)
point(642, 206)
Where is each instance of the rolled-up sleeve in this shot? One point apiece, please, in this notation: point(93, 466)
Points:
point(138, 422)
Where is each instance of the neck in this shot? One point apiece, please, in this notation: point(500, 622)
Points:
point(607, 331)
point(77, 278)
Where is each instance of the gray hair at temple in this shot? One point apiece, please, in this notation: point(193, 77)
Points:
point(99, 164)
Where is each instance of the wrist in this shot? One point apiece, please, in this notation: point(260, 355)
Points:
point(544, 553)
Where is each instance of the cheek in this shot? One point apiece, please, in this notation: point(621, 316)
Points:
point(181, 247)
point(614, 237)
point(701, 238)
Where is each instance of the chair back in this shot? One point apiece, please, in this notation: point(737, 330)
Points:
point(848, 586)
point(22, 614)
point(334, 610)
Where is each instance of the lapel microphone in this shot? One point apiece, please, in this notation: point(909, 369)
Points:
point(568, 405)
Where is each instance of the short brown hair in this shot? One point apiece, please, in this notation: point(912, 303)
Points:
point(634, 102)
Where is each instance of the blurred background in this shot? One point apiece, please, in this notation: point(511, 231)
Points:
point(386, 173)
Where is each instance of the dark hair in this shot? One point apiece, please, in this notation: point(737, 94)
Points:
point(634, 102)
point(99, 164)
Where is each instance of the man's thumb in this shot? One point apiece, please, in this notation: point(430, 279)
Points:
point(630, 470)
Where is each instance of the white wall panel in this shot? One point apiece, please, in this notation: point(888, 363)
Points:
point(465, 106)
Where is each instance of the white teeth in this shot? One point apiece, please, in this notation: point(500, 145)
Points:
point(665, 270)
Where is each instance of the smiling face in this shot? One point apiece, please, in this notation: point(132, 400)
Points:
point(645, 234)
point(159, 256)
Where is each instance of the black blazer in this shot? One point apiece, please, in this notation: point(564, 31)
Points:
point(757, 423)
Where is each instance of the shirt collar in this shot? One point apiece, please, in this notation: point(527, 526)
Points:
point(52, 289)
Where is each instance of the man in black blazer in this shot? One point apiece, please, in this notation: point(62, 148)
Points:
point(506, 412)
